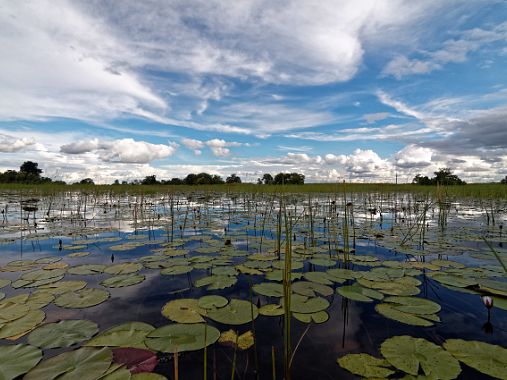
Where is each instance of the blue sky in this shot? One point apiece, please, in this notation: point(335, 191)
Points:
point(354, 90)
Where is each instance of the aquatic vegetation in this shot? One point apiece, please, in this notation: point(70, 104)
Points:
point(251, 284)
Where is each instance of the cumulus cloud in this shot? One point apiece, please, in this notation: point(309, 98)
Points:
point(196, 145)
point(10, 144)
point(121, 150)
point(413, 156)
point(220, 148)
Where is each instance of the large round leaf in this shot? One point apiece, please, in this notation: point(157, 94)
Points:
point(123, 280)
point(414, 305)
point(123, 268)
point(17, 360)
point(87, 269)
point(365, 365)
point(391, 312)
point(311, 289)
point(305, 305)
point(212, 302)
point(216, 282)
point(81, 299)
point(182, 337)
point(61, 287)
point(85, 363)
point(358, 293)
point(130, 334)
point(484, 357)
point(62, 334)
point(237, 312)
point(268, 289)
point(409, 354)
point(22, 325)
point(185, 310)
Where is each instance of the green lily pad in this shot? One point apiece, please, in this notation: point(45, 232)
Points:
point(87, 269)
point(237, 312)
point(61, 287)
point(212, 302)
point(358, 293)
point(391, 312)
point(484, 357)
point(176, 270)
point(414, 305)
point(123, 268)
point(409, 354)
point(185, 310)
point(268, 289)
point(271, 310)
point(241, 342)
point(182, 337)
point(323, 262)
point(9, 311)
point(122, 280)
point(81, 299)
point(318, 317)
point(311, 289)
point(130, 334)
point(62, 334)
point(216, 282)
point(304, 305)
point(17, 360)
point(22, 325)
point(4, 282)
point(318, 277)
point(365, 365)
point(224, 271)
point(85, 363)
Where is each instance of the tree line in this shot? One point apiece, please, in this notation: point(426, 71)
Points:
point(30, 173)
point(443, 176)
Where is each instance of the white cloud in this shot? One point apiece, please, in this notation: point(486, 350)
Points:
point(219, 147)
point(121, 150)
point(196, 145)
point(10, 144)
point(413, 156)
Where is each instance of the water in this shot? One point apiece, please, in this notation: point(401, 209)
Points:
point(377, 224)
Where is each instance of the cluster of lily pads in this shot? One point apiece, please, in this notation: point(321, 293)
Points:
point(418, 358)
point(319, 272)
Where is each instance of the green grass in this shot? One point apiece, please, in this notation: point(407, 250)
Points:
point(478, 191)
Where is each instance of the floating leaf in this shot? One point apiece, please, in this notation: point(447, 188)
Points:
point(268, 289)
point(123, 280)
point(271, 310)
point(135, 359)
point(241, 342)
point(414, 305)
point(176, 270)
point(484, 357)
point(81, 299)
point(17, 360)
point(21, 326)
point(391, 312)
point(130, 334)
point(61, 287)
point(85, 363)
point(212, 302)
point(358, 293)
point(10, 311)
point(365, 365)
point(409, 354)
point(318, 317)
point(237, 312)
point(182, 337)
point(123, 268)
point(216, 282)
point(305, 305)
point(318, 277)
point(87, 269)
point(62, 334)
point(185, 310)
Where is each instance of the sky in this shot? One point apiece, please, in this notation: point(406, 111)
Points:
point(359, 90)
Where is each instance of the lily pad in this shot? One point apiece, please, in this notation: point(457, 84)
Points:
point(87, 269)
point(409, 354)
point(22, 325)
point(484, 357)
point(237, 312)
point(123, 268)
point(176, 270)
point(182, 337)
point(241, 342)
point(17, 360)
point(391, 312)
point(304, 305)
point(359, 293)
point(123, 280)
point(414, 305)
point(212, 302)
point(268, 289)
point(318, 317)
point(85, 363)
point(271, 310)
point(185, 310)
point(61, 287)
point(81, 299)
point(311, 289)
point(62, 334)
point(216, 282)
point(130, 334)
point(365, 365)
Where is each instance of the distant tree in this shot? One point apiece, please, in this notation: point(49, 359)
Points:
point(422, 180)
point(30, 167)
point(267, 179)
point(116, 182)
point(217, 180)
point(176, 181)
point(87, 181)
point(504, 181)
point(190, 179)
point(233, 178)
point(150, 180)
point(289, 179)
point(443, 176)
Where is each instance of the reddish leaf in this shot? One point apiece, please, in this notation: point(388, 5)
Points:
point(135, 359)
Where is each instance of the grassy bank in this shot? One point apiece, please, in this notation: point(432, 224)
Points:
point(479, 191)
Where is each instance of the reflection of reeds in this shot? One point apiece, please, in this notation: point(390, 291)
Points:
point(287, 294)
